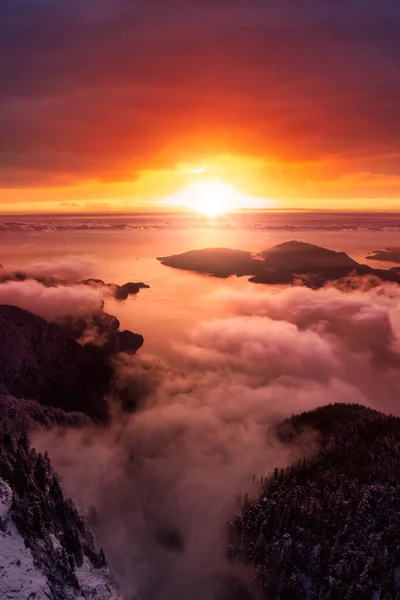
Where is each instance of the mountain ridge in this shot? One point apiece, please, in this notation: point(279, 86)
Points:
point(327, 527)
point(67, 375)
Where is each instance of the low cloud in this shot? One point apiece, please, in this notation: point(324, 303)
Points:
point(52, 303)
point(70, 268)
point(164, 480)
point(164, 483)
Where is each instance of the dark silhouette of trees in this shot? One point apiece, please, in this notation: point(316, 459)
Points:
point(48, 522)
point(328, 527)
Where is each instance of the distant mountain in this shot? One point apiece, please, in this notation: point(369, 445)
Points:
point(388, 254)
point(328, 527)
point(302, 256)
point(46, 550)
point(282, 264)
point(120, 292)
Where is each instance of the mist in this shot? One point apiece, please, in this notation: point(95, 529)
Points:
point(70, 268)
point(166, 480)
point(52, 303)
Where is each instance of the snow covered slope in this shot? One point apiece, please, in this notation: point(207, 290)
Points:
point(21, 577)
point(46, 550)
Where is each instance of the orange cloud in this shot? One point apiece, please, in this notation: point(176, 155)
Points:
point(101, 103)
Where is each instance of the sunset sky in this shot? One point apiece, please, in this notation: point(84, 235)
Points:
point(124, 105)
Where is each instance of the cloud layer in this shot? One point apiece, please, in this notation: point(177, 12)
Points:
point(52, 303)
point(164, 480)
point(102, 89)
point(72, 268)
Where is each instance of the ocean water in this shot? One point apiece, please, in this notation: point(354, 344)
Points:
point(125, 248)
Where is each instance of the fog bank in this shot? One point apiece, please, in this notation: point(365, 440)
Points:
point(163, 481)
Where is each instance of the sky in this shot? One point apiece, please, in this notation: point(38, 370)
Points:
point(119, 105)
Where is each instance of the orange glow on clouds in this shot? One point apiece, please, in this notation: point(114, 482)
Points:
point(291, 104)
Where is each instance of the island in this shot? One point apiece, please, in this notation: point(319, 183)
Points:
point(284, 263)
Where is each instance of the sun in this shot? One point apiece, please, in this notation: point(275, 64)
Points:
point(210, 197)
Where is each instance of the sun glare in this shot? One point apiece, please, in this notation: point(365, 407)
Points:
point(211, 197)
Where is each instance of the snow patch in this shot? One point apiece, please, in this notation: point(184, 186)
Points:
point(55, 543)
point(96, 584)
point(6, 497)
point(19, 578)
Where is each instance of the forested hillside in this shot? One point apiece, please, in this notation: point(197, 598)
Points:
point(47, 552)
point(328, 528)
point(44, 361)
